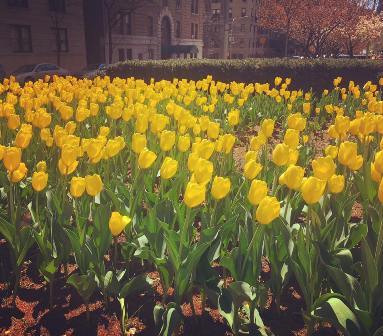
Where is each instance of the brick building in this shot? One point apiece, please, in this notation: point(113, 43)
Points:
point(39, 31)
point(232, 31)
point(157, 29)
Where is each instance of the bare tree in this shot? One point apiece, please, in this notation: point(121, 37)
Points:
point(115, 10)
point(58, 11)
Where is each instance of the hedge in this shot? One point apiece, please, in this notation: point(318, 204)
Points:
point(307, 73)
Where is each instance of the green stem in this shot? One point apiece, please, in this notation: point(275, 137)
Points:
point(214, 208)
point(249, 250)
point(183, 232)
point(379, 243)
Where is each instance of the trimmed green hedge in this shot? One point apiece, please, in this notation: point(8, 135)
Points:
point(316, 74)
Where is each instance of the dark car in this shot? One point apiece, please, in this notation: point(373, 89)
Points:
point(32, 72)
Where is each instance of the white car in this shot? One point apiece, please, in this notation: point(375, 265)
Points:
point(33, 72)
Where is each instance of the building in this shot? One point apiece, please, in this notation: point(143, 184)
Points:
point(156, 29)
point(232, 32)
point(42, 31)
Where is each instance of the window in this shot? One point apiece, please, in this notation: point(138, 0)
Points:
point(230, 13)
point(178, 4)
point(151, 26)
point(129, 54)
point(121, 55)
point(57, 6)
point(151, 53)
point(125, 24)
point(178, 29)
point(243, 12)
point(194, 31)
point(194, 6)
point(61, 38)
point(18, 3)
point(22, 38)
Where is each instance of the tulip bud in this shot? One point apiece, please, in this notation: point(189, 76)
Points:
point(117, 223)
point(169, 168)
point(268, 210)
point(39, 180)
point(312, 189)
point(93, 184)
point(258, 191)
point(220, 187)
point(194, 194)
point(146, 159)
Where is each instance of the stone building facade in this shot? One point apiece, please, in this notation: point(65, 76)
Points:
point(42, 31)
point(232, 31)
point(157, 29)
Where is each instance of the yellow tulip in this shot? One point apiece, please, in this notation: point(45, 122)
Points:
point(66, 170)
point(296, 121)
point(203, 171)
point(69, 154)
point(331, 151)
point(233, 117)
point(312, 189)
point(268, 210)
point(292, 177)
point(251, 169)
point(257, 192)
point(39, 181)
point(291, 138)
point(117, 223)
point(41, 166)
point(306, 108)
point(93, 184)
point(342, 124)
point(380, 192)
point(194, 194)
point(167, 140)
point(323, 167)
point(18, 174)
point(183, 143)
point(220, 187)
point(205, 149)
point(267, 127)
point(347, 152)
point(77, 186)
point(138, 142)
point(336, 184)
point(169, 168)
point(2, 151)
point(379, 161)
point(23, 138)
point(280, 155)
point(228, 141)
point(146, 158)
point(12, 158)
point(356, 163)
point(213, 130)
point(375, 174)
point(13, 121)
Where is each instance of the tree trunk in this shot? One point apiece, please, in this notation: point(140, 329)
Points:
point(287, 41)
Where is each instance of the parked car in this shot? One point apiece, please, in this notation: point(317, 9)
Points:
point(32, 72)
point(2, 73)
point(91, 71)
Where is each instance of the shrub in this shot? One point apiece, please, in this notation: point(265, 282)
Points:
point(306, 74)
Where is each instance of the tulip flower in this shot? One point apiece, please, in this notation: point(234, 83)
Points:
point(169, 168)
point(336, 184)
point(77, 186)
point(39, 180)
point(93, 184)
point(12, 158)
point(323, 167)
point(268, 210)
point(292, 177)
point(146, 159)
point(194, 194)
point(258, 191)
point(117, 223)
point(220, 187)
point(312, 189)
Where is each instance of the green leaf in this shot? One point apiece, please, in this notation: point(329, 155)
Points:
point(7, 230)
point(357, 233)
point(370, 271)
point(140, 283)
point(226, 306)
point(333, 309)
point(84, 284)
point(171, 320)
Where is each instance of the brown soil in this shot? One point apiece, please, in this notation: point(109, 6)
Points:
point(32, 315)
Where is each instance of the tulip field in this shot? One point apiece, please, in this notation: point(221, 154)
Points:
point(198, 196)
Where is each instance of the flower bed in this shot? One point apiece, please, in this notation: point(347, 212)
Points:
point(223, 207)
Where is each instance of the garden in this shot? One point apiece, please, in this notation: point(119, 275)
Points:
point(191, 207)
